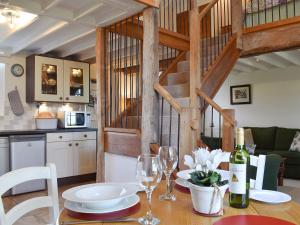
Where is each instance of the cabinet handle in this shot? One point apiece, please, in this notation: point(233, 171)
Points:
point(67, 98)
point(76, 144)
point(60, 137)
point(70, 145)
point(85, 135)
point(60, 98)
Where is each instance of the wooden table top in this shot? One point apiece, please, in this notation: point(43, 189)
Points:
point(180, 212)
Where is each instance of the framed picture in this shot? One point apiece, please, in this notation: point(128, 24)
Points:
point(240, 94)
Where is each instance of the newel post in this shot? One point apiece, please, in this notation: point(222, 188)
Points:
point(237, 20)
point(150, 112)
point(195, 73)
point(100, 74)
point(228, 131)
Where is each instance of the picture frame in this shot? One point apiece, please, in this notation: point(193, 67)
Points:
point(240, 94)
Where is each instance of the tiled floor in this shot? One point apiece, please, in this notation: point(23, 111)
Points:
point(41, 216)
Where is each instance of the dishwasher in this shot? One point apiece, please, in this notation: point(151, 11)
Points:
point(27, 151)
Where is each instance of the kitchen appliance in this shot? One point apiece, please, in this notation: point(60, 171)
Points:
point(72, 119)
point(27, 151)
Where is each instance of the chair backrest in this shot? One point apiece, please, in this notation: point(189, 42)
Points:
point(13, 178)
point(257, 161)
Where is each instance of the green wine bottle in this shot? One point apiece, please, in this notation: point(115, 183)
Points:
point(239, 179)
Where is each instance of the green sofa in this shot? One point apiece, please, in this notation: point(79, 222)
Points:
point(277, 140)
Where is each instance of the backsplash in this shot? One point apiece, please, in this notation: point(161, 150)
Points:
point(12, 122)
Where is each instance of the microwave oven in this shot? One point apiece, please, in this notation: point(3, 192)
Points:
point(72, 119)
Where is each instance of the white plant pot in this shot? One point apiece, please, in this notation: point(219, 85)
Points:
point(202, 197)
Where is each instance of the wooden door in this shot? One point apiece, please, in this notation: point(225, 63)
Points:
point(76, 81)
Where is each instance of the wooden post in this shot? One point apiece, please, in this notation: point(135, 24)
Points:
point(100, 74)
point(237, 20)
point(150, 112)
point(228, 131)
point(195, 73)
point(185, 144)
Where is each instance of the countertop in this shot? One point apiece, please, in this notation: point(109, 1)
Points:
point(5, 133)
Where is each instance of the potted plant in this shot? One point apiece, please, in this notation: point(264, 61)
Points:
point(206, 185)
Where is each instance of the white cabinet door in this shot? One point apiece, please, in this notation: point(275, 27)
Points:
point(49, 79)
point(61, 154)
point(4, 155)
point(76, 81)
point(84, 157)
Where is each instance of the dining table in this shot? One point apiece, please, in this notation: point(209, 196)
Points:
point(180, 212)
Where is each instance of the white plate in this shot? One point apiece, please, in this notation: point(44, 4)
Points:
point(124, 204)
point(100, 195)
point(272, 197)
point(185, 174)
point(182, 182)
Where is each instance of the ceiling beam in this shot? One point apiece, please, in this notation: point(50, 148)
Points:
point(271, 59)
point(87, 54)
point(50, 5)
point(79, 48)
point(56, 45)
point(152, 3)
point(85, 12)
point(291, 56)
point(27, 43)
point(253, 63)
point(244, 68)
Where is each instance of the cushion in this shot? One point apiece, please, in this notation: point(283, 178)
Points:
point(262, 151)
point(248, 137)
point(292, 158)
point(295, 146)
point(263, 137)
point(284, 138)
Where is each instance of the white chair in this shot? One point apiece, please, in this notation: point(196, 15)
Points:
point(257, 161)
point(13, 178)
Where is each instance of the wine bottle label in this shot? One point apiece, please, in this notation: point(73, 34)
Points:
point(237, 178)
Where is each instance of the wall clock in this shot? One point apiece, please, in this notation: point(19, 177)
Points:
point(17, 70)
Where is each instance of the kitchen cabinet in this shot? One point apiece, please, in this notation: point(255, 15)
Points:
point(4, 155)
point(73, 153)
point(56, 80)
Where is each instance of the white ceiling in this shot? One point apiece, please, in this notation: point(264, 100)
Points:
point(267, 61)
point(66, 27)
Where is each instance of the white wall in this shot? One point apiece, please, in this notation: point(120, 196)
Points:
point(275, 98)
point(2, 88)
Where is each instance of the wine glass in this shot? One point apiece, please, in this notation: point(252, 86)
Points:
point(149, 175)
point(168, 159)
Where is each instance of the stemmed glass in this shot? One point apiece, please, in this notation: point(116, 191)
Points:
point(149, 175)
point(168, 159)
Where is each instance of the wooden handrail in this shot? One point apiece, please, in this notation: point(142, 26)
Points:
point(203, 13)
point(166, 95)
point(215, 106)
point(172, 66)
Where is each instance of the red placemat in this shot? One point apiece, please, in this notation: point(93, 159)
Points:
point(251, 220)
point(182, 189)
point(105, 216)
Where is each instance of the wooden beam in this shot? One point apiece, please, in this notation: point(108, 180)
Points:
point(195, 71)
point(166, 37)
point(150, 111)
point(276, 36)
point(121, 142)
point(228, 130)
point(151, 3)
point(100, 74)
